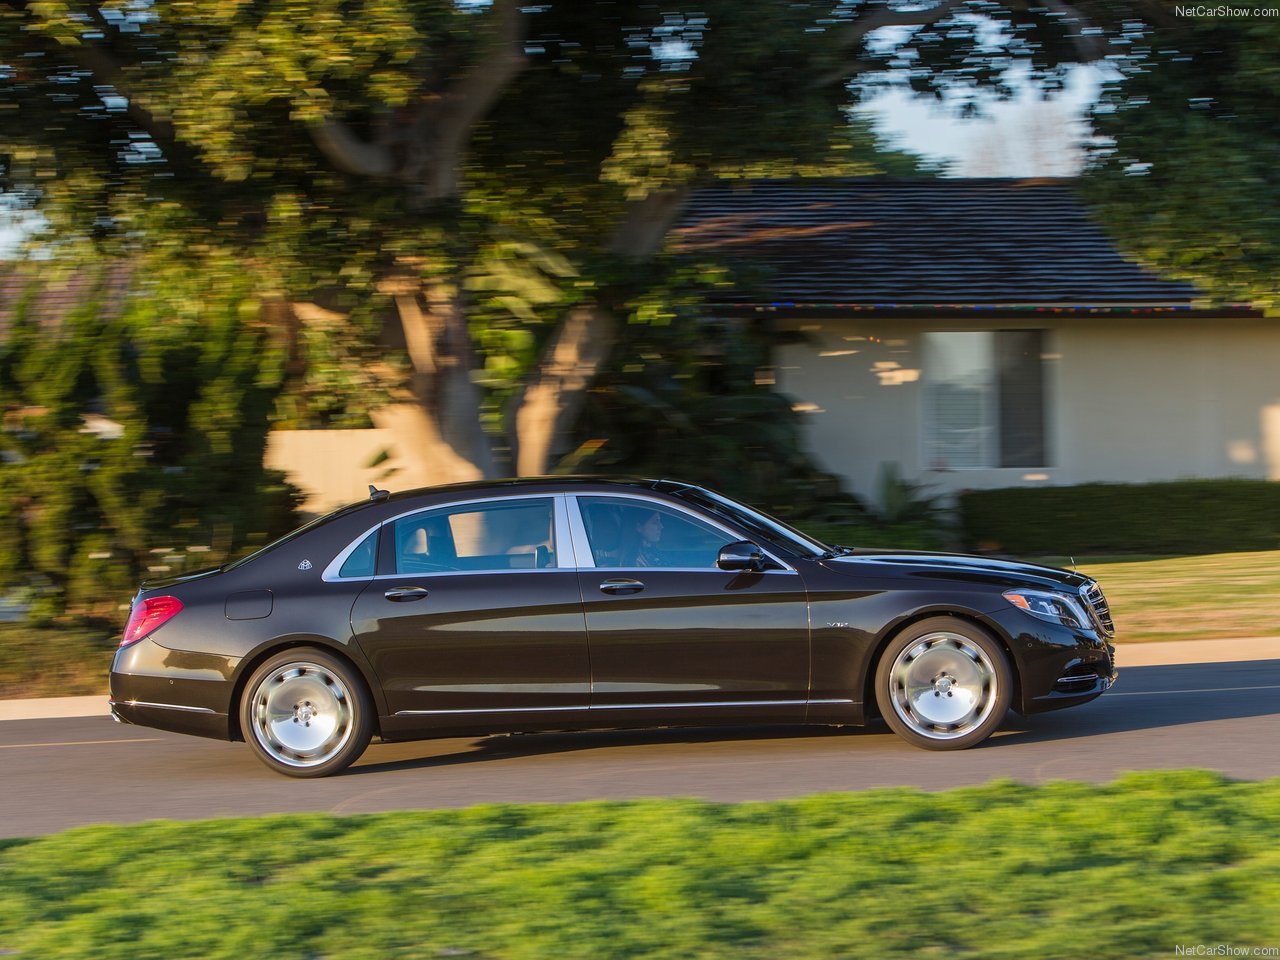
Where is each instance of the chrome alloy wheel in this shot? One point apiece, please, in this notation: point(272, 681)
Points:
point(943, 686)
point(302, 714)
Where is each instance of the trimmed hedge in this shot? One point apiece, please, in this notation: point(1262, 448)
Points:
point(1182, 517)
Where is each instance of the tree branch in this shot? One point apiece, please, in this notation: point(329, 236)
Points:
point(425, 151)
point(1089, 46)
point(852, 35)
point(886, 16)
point(108, 71)
point(475, 92)
point(645, 224)
point(349, 153)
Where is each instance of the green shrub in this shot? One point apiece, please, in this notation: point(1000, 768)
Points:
point(1181, 517)
point(135, 415)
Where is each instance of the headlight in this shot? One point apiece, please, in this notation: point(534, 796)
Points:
point(1053, 607)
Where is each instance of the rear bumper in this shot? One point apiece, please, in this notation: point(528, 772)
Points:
point(152, 686)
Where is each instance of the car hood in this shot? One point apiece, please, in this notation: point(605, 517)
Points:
point(955, 566)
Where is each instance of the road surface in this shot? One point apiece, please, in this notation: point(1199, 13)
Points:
point(62, 773)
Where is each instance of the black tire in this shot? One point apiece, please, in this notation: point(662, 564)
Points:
point(944, 684)
point(306, 713)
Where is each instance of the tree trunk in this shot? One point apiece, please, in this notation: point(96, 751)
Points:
point(548, 406)
point(553, 398)
point(435, 422)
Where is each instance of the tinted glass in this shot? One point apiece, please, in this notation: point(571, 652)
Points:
point(635, 533)
point(762, 528)
point(503, 535)
point(361, 561)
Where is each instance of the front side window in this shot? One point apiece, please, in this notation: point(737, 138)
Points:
point(984, 400)
point(626, 533)
point(503, 535)
point(762, 527)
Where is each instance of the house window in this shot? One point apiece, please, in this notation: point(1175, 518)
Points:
point(984, 400)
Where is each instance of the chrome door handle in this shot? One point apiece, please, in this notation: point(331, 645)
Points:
point(621, 586)
point(402, 594)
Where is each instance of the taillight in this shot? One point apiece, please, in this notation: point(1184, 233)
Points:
point(147, 616)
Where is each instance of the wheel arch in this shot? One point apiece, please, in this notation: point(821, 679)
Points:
point(871, 707)
point(343, 652)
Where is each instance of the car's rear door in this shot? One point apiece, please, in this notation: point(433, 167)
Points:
point(670, 634)
point(475, 615)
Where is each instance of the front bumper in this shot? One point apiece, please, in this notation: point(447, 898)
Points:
point(153, 686)
point(1058, 666)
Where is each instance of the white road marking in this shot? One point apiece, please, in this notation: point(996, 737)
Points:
point(76, 743)
point(1154, 693)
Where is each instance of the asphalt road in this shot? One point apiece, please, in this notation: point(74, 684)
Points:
point(56, 774)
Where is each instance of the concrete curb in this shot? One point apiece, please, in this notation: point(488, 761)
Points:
point(55, 708)
point(1163, 652)
point(1233, 650)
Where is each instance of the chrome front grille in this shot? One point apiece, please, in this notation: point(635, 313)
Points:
point(1098, 609)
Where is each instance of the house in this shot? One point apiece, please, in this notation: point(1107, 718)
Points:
point(987, 333)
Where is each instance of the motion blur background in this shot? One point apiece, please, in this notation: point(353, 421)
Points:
point(855, 262)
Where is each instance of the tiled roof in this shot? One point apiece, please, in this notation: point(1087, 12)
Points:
point(917, 242)
point(47, 300)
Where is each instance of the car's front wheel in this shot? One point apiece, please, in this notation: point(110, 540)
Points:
point(944, 684)
point(306, 713)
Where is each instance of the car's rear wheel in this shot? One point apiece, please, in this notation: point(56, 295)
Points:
point(306, 713)
point(944, 684)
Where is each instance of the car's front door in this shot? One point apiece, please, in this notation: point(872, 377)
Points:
point(474, 616)
point(670, 633)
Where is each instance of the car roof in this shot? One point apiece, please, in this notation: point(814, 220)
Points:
point(512, 485)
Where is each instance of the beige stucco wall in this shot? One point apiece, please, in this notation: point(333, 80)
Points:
point(1132, 400)
point(332, 467)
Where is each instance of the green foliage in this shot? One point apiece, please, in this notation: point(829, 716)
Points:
point(680, 399)
point(134, 423)
point(1188, 172)
point(1182, 858)
point(1182, 517)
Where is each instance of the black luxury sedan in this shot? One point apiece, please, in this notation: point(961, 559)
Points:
point(578, 603)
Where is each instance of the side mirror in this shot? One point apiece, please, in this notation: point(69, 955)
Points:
point(741, 555)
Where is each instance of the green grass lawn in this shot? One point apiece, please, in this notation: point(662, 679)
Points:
point(1189, 598)
point(1064, 870)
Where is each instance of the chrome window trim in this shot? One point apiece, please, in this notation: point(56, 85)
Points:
point(582, 556)
point(459, 573)
point(564, 536)
point(621, 706)
point(569, 529)
point(330, 574)
point(587, 561)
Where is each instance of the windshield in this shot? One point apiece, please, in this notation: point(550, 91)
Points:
point(762, 526)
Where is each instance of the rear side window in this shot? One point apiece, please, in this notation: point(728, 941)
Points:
point(361, 561)
point(503, 535)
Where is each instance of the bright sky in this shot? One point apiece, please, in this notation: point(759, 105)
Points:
point(1022, 137)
